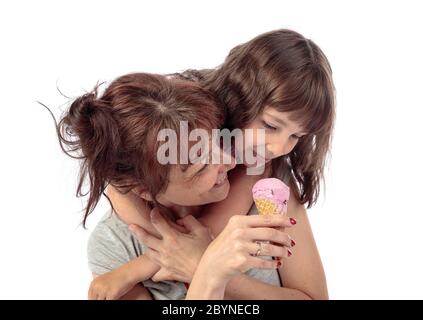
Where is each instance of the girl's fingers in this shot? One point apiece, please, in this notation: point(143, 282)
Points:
point(144, 237)
point(267, 249)
point(277, 220)
point(269, 234)
point(258, 263)
point(90, 295)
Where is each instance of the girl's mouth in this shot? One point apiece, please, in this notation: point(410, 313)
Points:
point(260, 158)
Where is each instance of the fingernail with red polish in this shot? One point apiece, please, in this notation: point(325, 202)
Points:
point(289, 253)
point(293, 221)
point(292, 243)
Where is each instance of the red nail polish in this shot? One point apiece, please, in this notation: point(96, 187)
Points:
point(292, 243)
point(279, 264)
point(293, 221)
point(289, 253)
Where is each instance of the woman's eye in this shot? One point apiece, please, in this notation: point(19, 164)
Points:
point(268, 126)
point(203, 169)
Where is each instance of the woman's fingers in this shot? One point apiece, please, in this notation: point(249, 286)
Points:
point(268, 234)
point(154, 256)
point(180, 227)
point(277, 220)
point(161, 224)
point(191, 224)
point(161, 275)
point(144, 237)
point(268, 249)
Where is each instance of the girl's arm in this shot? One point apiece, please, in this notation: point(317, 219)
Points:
point(302, 274)
point(119, 283)
point(139, 292)
point(131, 209)
point(238, 202)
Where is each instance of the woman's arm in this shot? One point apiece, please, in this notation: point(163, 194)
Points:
point(302, 274)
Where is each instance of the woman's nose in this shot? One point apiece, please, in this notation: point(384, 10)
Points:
point(228, 159)
point(231, 165)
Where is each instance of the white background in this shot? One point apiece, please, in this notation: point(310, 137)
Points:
point(368, 226)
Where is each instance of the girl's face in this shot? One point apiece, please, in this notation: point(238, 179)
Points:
point(281, 134)
point(198, 184)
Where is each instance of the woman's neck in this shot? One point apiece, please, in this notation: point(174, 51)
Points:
point(182, 211)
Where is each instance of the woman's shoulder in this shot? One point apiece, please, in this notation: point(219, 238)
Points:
point(109, 229)
point(111, 244)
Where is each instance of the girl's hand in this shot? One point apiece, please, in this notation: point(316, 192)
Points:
point(110, 286)
point(178, 253)
point(238, 246)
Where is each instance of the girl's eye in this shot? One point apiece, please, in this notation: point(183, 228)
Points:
point(268, 126)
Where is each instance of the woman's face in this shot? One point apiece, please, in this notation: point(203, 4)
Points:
point(198, 184)
point(281, 134)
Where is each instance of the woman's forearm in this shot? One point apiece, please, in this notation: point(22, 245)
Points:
point(246, 288)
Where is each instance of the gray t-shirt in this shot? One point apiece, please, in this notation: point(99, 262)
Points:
point(112, 245)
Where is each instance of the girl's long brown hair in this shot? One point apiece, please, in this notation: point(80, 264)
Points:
point(284, 70)
point(115, 134)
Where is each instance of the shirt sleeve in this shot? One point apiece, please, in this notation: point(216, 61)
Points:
point(110, 246)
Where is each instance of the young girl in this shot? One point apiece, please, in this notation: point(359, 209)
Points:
point(280, 82)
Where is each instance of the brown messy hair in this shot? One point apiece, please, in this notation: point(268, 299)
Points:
point(283, 70)
point(115, 134)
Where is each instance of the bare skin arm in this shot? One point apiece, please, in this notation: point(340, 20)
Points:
point(302, 274)
point(238, 202)
point(131, 209)
point(138, 292)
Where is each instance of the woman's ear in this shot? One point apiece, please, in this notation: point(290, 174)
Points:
point(142, 193)
point(146, 196)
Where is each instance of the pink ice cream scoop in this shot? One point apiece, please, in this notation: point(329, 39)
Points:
point(271, 196)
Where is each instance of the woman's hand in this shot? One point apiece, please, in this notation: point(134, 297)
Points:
point(177, 253)
point(236, 250)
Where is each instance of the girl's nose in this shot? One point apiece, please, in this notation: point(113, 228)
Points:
point(279, 147)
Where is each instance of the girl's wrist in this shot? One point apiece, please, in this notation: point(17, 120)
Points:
point(206, 285)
